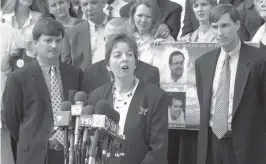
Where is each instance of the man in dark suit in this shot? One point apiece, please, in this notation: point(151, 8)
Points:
point(97, 75)
point(170, 16)
point(84, 43)
point(231, 91)
point(34, 92)
point(250, 21)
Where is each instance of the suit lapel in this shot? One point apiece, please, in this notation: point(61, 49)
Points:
point(133, 109)
point(209, 71)
point(40, 83)
point(241, 76)
point(65, 80)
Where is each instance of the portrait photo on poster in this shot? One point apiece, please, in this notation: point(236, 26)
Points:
point(177, 110)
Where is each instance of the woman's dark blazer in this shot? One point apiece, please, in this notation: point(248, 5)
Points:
point(146, 127)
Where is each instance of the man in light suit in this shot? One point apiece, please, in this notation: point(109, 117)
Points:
point(34, 92)
point(84, 43)
point(231, 90)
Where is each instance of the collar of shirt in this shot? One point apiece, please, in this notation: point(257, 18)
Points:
point(234, 54)
point(10, 18)
point(94, 27)
point(46, 67)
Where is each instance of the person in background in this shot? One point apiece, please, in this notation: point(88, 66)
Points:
point(260, 35)
point(75, 9)
point(60, 10)
point(6, 47)
point(112, 8)
point(84, 42)
point(34, 93)
point(231, 131)
point(142, 24)
point(19, 15)
point(203, 34)
point(169, 15)
point(98, 75)
point(249, 19)
point(142, 107)
point(176, 112)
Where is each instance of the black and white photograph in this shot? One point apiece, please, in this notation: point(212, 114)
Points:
point(133, 81)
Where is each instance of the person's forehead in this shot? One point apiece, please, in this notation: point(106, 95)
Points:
point(224, 19)
point(43, 36)
point(176, 101)
point(177, 57)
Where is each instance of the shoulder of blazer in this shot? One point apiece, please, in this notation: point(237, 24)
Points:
point(170, 6)
point(145, 68)
point(69, 68)
point(82, 27)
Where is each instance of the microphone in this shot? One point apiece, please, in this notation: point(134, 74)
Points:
point(63, 119)
point(76, 110)
point(107, 140)
point(101, 108)
point(85, 121)
point(71, 95)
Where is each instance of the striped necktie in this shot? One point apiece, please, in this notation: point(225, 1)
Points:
point(220, 117)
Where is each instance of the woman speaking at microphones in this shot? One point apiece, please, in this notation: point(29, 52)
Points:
point(142, 107)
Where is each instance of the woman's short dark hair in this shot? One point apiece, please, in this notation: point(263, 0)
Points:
point(220, 10)
point(154, 9)
point(121, 37)
point(47, 26)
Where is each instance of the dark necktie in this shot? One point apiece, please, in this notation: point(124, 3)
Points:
point(220, 117)
point(56, 102)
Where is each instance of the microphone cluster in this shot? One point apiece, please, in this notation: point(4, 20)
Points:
point(90, 133)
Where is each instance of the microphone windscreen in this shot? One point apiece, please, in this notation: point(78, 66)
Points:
point(116, 117)
point(80, 96)
point(102, 107)
point(88, 110)
point(65, 106)
point(71, 96)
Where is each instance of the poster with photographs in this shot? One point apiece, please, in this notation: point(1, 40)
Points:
point(177, 77)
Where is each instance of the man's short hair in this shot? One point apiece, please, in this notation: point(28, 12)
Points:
point(115, 26)
point(175, 53)
point(47, 26)
point(221, 9)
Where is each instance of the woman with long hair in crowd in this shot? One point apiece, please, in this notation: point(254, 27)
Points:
point(143, 26)
point(204, 33)
point(60, 10)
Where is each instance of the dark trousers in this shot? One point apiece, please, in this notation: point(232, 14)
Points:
point(220, 151)
point(54, 157)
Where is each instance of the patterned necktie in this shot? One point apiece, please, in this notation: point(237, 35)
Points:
point(220, 117)
point(56, 102)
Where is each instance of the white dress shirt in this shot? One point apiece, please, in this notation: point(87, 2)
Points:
point(260, 35)
point(97, 40)
point(234, 56)
point(24, 33)
point(117, 5)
